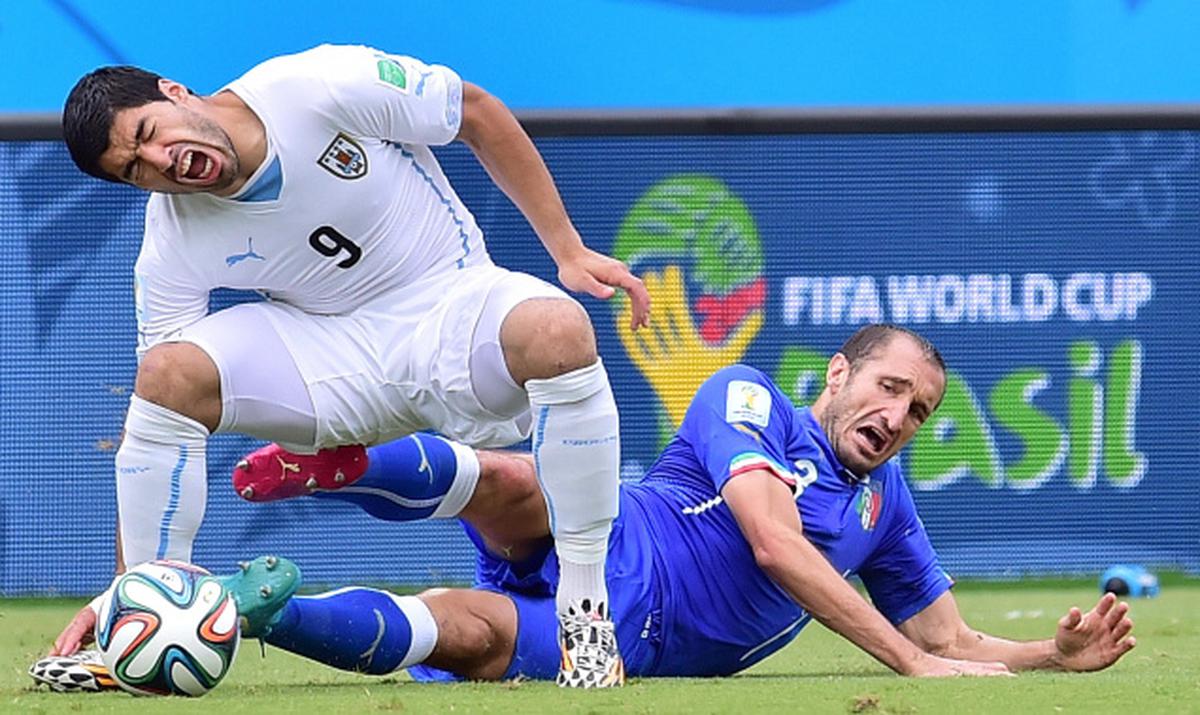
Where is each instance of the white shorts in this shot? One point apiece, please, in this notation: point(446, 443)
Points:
point(397, 365)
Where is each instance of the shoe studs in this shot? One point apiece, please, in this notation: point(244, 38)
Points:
point(247, 493)
point(271, 562)
point(338, 477)
point(244, 566)
point(311, 483)
point(243, 465)
point(265, 590)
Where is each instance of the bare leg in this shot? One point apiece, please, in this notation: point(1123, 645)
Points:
point(477, 632)
point(508, 508)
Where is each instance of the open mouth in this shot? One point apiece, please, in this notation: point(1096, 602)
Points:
point(873, 437)
point(195, 166)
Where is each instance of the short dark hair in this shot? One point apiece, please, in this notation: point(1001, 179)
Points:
point(92, 104)
point(871, 338)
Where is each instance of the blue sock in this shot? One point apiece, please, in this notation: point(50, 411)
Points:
point(358, 629)
point(410, 478)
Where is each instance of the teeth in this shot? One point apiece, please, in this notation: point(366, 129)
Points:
point(207, 166)
point(185, 163)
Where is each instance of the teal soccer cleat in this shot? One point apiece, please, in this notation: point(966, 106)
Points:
point(261, 589)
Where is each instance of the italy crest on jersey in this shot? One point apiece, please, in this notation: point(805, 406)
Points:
point(344, 158)
point(870, 504)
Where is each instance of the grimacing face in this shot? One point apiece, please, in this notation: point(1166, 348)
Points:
point(168, 146)
point(875, 410)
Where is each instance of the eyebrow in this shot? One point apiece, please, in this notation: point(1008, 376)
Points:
point(137, 141)
point(925, 410)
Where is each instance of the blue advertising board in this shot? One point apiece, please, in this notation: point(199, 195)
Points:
point(1056, 272)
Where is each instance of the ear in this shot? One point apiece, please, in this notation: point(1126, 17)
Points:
point(837, 373)
point(173, 90)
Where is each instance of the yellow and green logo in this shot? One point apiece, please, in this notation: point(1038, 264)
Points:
point(695, 245)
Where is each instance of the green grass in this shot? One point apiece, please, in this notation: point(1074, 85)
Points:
point(818, 673)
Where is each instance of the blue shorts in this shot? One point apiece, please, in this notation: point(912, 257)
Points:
point(530, 584)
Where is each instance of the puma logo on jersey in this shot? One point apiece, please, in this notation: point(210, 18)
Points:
point(421, 83)
point(237, 258)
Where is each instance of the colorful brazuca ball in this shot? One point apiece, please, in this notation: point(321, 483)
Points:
point(167, 628)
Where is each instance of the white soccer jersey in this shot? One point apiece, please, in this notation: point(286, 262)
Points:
point(349, 204)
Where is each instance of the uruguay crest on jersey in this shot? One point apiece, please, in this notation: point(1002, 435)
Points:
point(344, 158)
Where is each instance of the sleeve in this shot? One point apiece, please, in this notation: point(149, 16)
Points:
point(166, 299)
point(738, 422)
point(392, 97)
point(903, 574)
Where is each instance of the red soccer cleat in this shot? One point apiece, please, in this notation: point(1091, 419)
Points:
point(273, 473)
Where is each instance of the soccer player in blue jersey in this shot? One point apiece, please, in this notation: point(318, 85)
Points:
point(743, 531)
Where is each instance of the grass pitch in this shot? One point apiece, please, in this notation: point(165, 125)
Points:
point(818, 673)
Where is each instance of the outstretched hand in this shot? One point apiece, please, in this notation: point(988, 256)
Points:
point(599, 276)
point(78, 633)
point(1096, 639)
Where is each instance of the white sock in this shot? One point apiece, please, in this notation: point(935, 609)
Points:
point(424, 629)
point(576, 448)
point(161, 483)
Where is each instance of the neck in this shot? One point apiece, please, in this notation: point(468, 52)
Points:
point(818, 407)
point(246, 131)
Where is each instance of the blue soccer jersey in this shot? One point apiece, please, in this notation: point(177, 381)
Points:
point(721, 613)
point(686, 593)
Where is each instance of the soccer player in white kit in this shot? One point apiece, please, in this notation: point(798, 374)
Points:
point(310, 179)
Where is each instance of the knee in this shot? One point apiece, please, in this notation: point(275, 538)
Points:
point(183, 378)
point(508, 479)
point(545, 338)
point(476, 632)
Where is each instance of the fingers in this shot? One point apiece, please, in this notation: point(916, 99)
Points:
point(1002, 671)
point(600, 279)
point(1072, 619)
point(986, 669)
point(1105, 604)
point(639, 297)
point(69, 641)
point(77, 632)
point(1122, 629)
point(596, 288)
point(1114, 615)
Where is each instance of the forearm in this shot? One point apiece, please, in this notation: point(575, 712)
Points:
point(514, 164)
point(1017, 655)
point(809, 578)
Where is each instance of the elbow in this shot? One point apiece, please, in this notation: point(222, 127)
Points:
point(771, 552)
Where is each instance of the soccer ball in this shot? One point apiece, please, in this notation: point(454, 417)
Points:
point(167, 628)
